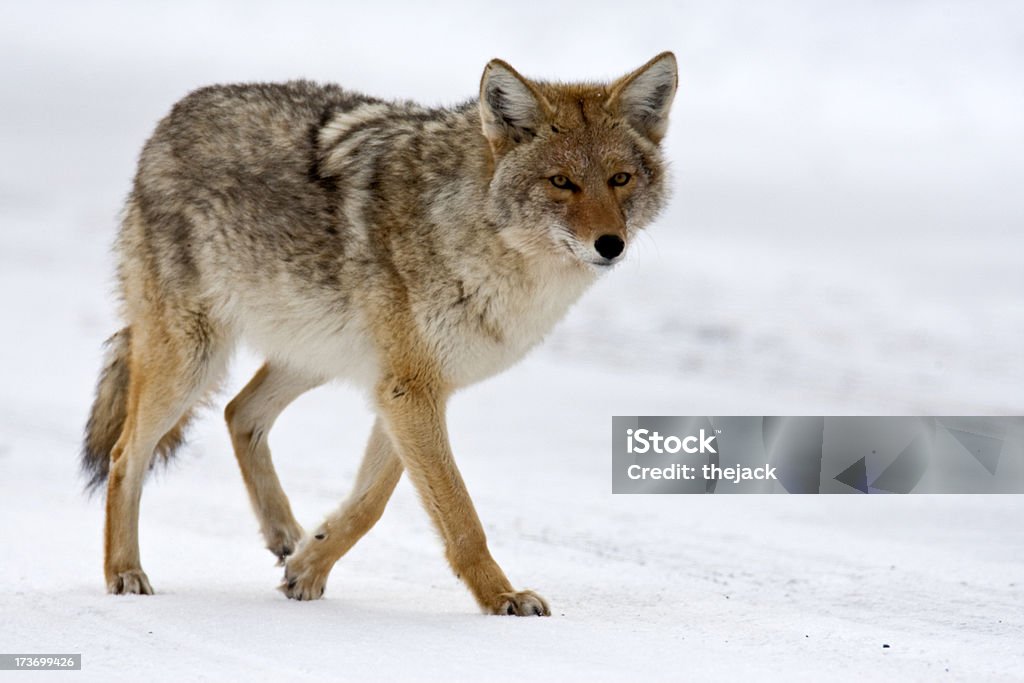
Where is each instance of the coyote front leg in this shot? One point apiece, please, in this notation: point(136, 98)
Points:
point(305, 575)
point(415, 420)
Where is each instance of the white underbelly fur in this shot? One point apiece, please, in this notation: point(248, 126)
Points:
point(320, 344)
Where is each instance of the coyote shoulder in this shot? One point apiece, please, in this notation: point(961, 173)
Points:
point(412, 251)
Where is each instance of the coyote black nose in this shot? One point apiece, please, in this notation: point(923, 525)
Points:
point(609, 246)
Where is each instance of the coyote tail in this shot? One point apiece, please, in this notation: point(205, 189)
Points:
point(109, 410)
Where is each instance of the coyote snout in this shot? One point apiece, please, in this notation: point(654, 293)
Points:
point(412, 251)
point(609, 247)
point(598, 224)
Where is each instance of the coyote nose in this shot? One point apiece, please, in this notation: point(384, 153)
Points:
point(609, 246)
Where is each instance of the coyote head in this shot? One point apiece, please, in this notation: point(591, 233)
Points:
point(577, 167)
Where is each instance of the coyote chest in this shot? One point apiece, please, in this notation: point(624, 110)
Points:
point(488, 329)
point(473, 328)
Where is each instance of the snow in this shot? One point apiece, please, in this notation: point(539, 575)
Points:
point(845, 239)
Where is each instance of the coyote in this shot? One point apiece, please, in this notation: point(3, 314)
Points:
point(412, 251)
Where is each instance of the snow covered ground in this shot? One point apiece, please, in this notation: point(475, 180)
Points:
point(845, 239)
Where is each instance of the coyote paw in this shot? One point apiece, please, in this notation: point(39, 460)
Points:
point(522, 604)
point(303, 578)
point(283, 541)
point(132, 581)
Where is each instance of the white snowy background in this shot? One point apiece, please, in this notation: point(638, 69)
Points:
point(845, 238)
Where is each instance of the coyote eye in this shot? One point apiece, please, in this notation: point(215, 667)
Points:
point(561, 182)
point(619, 179)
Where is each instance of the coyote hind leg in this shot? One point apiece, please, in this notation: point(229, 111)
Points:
point(250, 415)
point(172, 364)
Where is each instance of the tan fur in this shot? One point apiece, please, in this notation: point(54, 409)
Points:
point(411, 251)
point(250, 416)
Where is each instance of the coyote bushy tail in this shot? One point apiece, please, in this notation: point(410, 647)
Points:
point(109, 410)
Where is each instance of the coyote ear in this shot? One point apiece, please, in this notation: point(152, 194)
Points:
point(510, 106)
point(644, 97)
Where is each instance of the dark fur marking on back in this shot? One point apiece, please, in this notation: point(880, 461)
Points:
point(397, 115)
point(168, 233)
point(328, 183)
